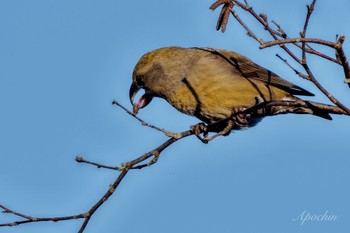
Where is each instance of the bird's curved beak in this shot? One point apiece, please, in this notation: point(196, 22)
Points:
point(143, 101)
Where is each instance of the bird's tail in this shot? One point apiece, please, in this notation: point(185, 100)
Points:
point(298, 106)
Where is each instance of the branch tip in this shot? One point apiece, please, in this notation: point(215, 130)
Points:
point(79, 159)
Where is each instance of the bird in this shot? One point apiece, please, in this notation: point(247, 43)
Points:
point(214, 85)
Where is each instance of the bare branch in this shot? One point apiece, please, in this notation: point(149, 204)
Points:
point(298, 40)
point(310, 9)
point(295, 70)
point(249, 32)
point(82, 160)
point(30, 219)
point(167, 133)
point(342, 57)
point(280, 30)
point(104, 198)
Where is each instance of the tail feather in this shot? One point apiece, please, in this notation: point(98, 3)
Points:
point(318, 112)
point(305, 107)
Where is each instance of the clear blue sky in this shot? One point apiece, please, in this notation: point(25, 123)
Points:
point(63, 62)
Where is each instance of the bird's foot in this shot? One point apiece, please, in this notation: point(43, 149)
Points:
point(226, 131)
point(240, 119)
point(198, 129)
point(202, 128)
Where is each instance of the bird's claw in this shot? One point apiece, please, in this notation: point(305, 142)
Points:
point(198, 129)
point(240, 119)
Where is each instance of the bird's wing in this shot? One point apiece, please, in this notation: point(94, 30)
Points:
point(250, 70)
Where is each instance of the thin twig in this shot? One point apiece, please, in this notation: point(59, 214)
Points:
point(295, 70)
point(249, 32)
point(166, 132)
point(310, 9)
point(298, 40)
point(283, 34)
point(310, 50)
point(103, 199)
point(30, 219)
point(343, 59)
point(324, 91)
point(80, 159)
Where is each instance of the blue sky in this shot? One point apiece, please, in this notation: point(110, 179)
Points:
point(62, 64)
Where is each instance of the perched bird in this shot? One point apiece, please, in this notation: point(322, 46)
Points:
point(212, 85)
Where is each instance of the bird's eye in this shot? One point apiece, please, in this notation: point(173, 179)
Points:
point(140, 81)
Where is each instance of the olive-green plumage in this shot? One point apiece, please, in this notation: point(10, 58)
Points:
point(208, 83)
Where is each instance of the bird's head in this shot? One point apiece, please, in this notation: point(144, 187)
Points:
point(154, 74)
